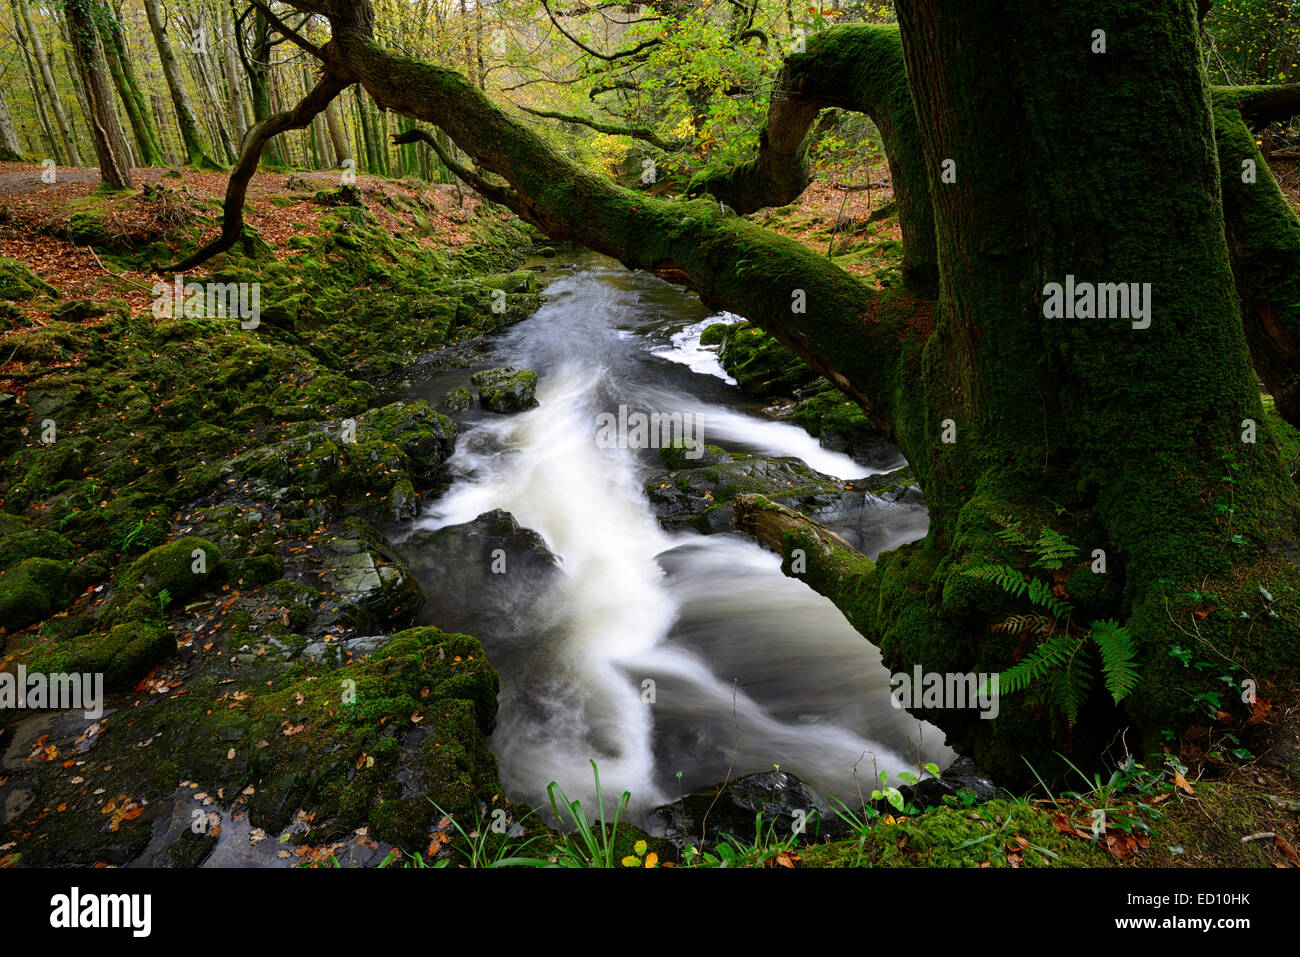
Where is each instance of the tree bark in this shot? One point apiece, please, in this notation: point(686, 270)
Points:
point(110, 143)
point(196, 150)
point(10, 149)
point(137, 111)
point(51, 90)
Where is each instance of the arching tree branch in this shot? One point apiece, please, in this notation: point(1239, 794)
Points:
point(609, 57)
point(287, 31)
point(1261, 105)
point(496, 194)
point(613, 129)
point(855, 67)
point(250, 154)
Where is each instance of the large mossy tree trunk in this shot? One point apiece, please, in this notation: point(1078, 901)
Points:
point(1030, 144)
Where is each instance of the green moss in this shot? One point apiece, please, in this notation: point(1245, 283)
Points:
point(19, 283)
point(992, 835)
point(30, 591)
point(36, 543)
point(124, 654)
point(182, 568)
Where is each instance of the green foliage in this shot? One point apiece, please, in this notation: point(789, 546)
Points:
point(1061, 663)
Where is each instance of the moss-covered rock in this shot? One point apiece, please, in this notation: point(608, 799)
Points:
point(180, 568)
point(761, 365)
point(123, 654)
point(506, 389)
point(20, 284)
point(30, 591)
point(36, 543)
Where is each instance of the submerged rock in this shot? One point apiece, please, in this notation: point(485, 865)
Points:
point(505, 567)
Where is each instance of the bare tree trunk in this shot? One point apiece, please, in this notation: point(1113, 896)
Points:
point(47, 77)
point(196, 152)
point(230, 67)
point(10, 151)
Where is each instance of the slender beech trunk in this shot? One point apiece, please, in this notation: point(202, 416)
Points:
point(194, 146)
point(47, 78)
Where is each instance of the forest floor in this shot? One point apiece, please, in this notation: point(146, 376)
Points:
point(1211, 809)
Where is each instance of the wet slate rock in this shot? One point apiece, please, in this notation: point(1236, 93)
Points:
point(731, 810)
point(962, 773)
point(507, 389)
point(458, 560)
point(701, 497)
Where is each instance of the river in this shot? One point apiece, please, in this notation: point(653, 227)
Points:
point(671, 659)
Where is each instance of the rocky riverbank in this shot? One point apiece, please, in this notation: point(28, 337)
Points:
point(193, 509)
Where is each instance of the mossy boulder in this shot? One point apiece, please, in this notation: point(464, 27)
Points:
point(85, 228)
point(181, 568)
point(713, 335)
point(506, 389)
point(123, 654)
point(760, 364)
point(30, 591)
point(458, 399)
point(33, 543)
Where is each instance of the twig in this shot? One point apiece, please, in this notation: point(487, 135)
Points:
point(735, 748)
point(91, 250)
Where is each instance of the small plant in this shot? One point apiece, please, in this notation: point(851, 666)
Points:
point(1061, 662)
point(593, 846)
point(482, 850)
point(641, 856)
point(131, 535)
point(164, 599)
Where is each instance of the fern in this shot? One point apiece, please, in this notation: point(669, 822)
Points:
point(1117, 654)
point(1012, 532)
point(1071, 686)
point(1020, 624)
point(1061, 666)
point(1052, 549)
point(1014, 582)
point(1052, 654)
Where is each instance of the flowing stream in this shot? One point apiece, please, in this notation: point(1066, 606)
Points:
point(750, 669)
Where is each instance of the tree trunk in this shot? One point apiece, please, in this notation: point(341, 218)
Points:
point(196, 150)
point(110, 143)
point(137, 111)
point(56, 148)
point(10, 150)
point(338, 134)
point(230, 69)
point(47, 77)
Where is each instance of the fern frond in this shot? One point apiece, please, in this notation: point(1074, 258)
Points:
point(1052, 549)
point(1053, 654)
point(1040, 593)
point(1117, 654)
point(1019, 624)
point(1004, 576)
point(1013, 533)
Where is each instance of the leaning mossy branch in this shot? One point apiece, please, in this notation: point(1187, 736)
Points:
point(856, 67)
point(613, 129)
point(1264, 243)
point(1260, 105)
point(250, 154)
point(814, 554)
